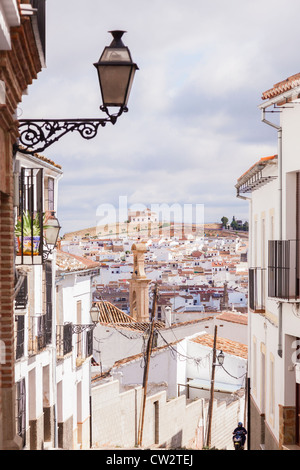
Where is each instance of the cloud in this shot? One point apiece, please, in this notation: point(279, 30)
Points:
point(193, 125)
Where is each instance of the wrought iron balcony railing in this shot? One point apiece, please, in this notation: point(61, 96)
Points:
point(283, 269)
point(64, 339)
point(84, 346)
point(29, 225)
point(257, 289)
point(37, 340)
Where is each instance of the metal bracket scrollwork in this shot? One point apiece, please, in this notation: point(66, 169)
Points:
point(77, 329)
point(35, 135)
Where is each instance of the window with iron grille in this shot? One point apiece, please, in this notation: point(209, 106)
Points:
point(283, 269)
point(29, 225)
point(256, 289)
point(20, 319)
point(50, 194)
point(64, 334)
point(48, 319)
point(21, 298)
point(89, 343)
point(41, 332)
point(67, 338)
point(21, 410)
point(278, 281)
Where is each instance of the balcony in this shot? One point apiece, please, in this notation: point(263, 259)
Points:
point(29, 225)
point(64, 335)
point(37, 340)
point(257, 289)
point(83, 346)
point(283, 269)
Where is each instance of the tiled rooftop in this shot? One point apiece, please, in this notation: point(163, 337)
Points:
point(67, 262)
point(282, 86)
point(234, 317)
point(256, 167)
point(226, 345)
point(44, 159)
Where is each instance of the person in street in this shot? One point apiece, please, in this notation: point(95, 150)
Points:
point(241, 430)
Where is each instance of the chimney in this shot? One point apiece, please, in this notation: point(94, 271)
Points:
point(168, 316)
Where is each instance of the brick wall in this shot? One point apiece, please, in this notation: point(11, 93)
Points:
point(7, 403)
point(167, 423)
point(18, 67)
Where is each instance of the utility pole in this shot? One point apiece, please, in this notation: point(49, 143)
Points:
point(146, 370)
point(212, 389)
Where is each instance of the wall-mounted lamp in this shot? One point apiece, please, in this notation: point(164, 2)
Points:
point(116, 72)
point(51, 233)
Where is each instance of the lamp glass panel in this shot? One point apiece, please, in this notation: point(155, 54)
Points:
point(115, 55)
point(94, 314)
point(52, 231)
point(51, 235)
point(115, 81)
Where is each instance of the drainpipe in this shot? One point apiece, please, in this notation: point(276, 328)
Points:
point(279, 131)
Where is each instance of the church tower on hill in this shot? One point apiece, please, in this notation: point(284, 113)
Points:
point(139, 285)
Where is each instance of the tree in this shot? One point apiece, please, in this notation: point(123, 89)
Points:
point(234, 224)
point(246, 226)
point(224, 221)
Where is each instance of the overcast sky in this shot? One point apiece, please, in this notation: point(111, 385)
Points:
point(193, 125)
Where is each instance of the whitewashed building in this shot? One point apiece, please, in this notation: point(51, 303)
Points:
point(74, 349)
point(36, 181)
point(272, 186)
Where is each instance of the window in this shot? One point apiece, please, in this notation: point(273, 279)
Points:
point(50, 194)
point(49, 308)
point(21, 410)
point(22, 295)
point(79, 339)
point(20, 320)
point(282, 269)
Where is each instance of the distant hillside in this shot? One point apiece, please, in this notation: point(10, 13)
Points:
point(153, 230)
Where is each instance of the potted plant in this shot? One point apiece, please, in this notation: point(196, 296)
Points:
point(31, 234)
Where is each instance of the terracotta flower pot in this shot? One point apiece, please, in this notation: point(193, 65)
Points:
point(30, 246)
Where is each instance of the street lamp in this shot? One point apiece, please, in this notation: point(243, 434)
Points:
point(51, 232)
point(79, 328)
point(94, 312)
point(220, 358)
point(116, 72)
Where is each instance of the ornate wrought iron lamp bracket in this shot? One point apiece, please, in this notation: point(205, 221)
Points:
point(38, 134)
point(77, 329)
